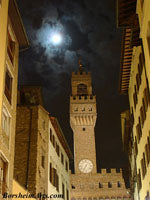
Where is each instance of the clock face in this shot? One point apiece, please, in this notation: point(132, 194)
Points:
point(85, 166)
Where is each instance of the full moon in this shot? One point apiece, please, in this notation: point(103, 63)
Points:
point(56, 39)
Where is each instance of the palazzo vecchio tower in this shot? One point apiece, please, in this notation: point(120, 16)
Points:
point(86, 183)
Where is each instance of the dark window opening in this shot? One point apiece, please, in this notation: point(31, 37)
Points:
point(43, 161)
point(11, 48)
point(83, 129)
point(62, 158)
point(8, 86)
point(82, 90)
point(109, 185)
point(119, 184)
point(73, 187)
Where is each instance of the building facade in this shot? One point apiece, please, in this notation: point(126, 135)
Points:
point(60, 155)
point(31, 146)
point(42, 154)
point(86, 183)
point(12, 38)
point(134, 19)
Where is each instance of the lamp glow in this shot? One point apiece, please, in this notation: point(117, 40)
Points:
point(56, 39)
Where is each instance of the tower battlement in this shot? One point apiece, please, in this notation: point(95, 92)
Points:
point(111, 171)
point(81, 73)
point(84, 99)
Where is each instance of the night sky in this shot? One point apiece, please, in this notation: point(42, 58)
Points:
point(89, 32)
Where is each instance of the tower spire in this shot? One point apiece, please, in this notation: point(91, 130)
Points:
point(80, 66)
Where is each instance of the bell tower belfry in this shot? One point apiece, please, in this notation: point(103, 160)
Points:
point(82, 120)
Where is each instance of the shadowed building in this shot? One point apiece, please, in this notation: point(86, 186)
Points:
point(134, 19)
point(42, 154)
point(12, 39)
point(86, 183)
point(31, 142)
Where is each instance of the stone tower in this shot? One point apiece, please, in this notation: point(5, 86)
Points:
point(82, 119)
point(86, 183)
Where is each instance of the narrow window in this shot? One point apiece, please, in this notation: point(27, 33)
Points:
point(147, 153)
point(53, 141)
point(8, 86)
point(143, 166)
point(57, 149)
point(67, 192)
point(118, 184)
point(5, 121)
point(3, 176)
point(135, 146)
point(100, 185)
point(43, 161)
point(139, 182)
point(83, 129)
point(62, 158)
point(66, 166)
point(43, 124)
point(50, 172)
point(63, 190)
point(109, 185)
point(51, 136)
point(148, 36)
point(11, 48)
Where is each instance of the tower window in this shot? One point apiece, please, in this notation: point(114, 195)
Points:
point(119, 184)
point(100, 185)
point(109, 185)
point(82, 89)
point(83, 129)
point(73, 187)
point(83, 109)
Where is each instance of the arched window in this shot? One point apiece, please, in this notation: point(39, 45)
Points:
point(82, 89)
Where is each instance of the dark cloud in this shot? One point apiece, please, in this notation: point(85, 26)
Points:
point(89, 32)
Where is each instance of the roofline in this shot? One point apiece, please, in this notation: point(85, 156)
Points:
point(19, 20)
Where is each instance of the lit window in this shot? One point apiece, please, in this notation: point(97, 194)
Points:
point(76, 109)
point(90, 109)
point(5, 121)
point(83, 109)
